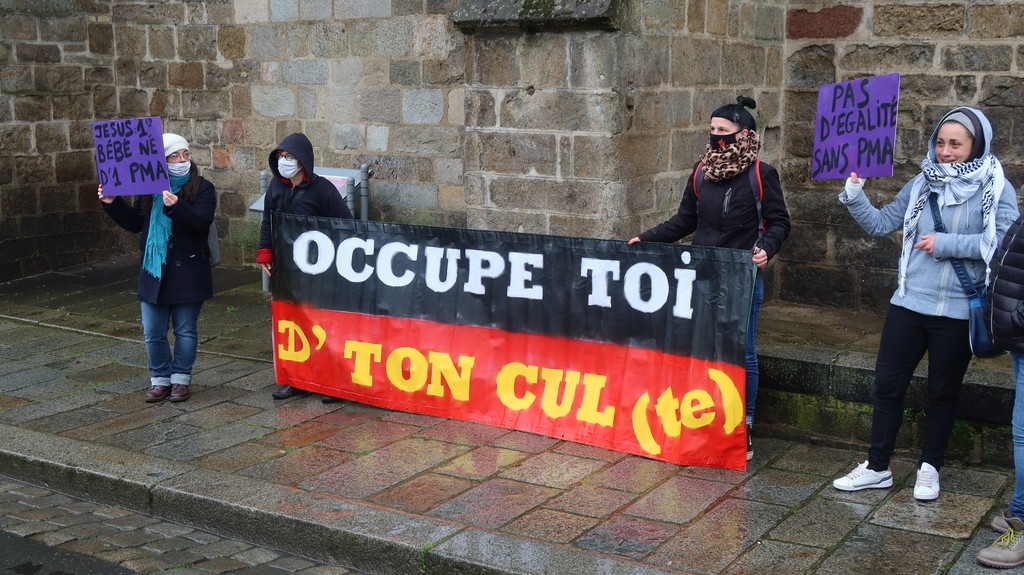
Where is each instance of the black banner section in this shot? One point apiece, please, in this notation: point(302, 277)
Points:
point(678, 299)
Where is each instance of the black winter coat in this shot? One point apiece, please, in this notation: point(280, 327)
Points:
point(187, 277)
point(1004, 307)
point(724, 214)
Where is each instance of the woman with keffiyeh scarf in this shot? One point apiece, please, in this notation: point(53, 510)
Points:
point(175, 277)
point(728, 211)
point(929, 310)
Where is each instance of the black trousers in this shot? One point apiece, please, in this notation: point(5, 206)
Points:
point(906, 336)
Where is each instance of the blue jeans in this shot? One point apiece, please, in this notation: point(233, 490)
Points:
point(164, 368)
point(753, 376)
point(1017, 503)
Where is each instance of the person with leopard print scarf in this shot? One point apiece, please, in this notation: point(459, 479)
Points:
point(733, 200)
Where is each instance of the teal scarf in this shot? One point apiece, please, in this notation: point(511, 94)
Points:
point(160, 231)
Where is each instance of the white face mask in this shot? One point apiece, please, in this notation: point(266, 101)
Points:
point(288, 168)
point(179, 169)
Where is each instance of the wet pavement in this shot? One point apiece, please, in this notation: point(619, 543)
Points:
point(395, 493)
point(23, 555)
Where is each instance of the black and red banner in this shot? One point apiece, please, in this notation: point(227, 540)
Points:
point(634, 348)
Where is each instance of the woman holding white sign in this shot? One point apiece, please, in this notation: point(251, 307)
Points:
point(961, 183)
point(175, 277)
point(733, 200)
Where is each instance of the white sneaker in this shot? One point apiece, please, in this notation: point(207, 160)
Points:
point(863, 478)
point(927, 486)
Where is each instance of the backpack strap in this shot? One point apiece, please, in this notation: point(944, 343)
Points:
point(757, 188)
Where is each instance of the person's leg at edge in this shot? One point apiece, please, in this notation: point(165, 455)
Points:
point(949, 355)
point(1008, 549)
point(753, 375)
point(1017, 425)
point(902, 346)
point(1016, 509)
point(753, 372)
point(184, 318)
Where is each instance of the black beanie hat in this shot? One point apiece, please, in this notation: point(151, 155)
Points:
point(737, 113)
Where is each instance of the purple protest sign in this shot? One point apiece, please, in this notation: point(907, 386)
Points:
point(130, 156)
point(855, 128)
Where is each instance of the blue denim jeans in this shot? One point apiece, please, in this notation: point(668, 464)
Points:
point(165, 368)
point(752, 370)
point(1017, 503)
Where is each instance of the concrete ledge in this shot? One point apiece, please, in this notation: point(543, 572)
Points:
point(320, 526)
point(106, 474)
point(825, 395)
point(472, 15)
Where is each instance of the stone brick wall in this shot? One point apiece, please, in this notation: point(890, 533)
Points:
point(377, 82)
point(579, 119)
point(51, 60)
point(593, 132)
point(949, 53)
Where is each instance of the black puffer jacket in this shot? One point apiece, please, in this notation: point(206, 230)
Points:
point(1004, 307)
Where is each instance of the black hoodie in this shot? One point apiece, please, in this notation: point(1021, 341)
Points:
point(315, 196)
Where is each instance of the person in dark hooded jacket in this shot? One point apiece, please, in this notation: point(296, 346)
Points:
point(1004, 313)
point(295, 189)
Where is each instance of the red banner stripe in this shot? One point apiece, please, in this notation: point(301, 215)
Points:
point(631, 399)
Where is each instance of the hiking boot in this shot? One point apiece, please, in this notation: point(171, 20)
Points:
point(927, 486)
point(1008, 549)
point(750, 444)
point(863, 478)
point(1000, 522)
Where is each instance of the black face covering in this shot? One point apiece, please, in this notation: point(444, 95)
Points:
point(719, 141)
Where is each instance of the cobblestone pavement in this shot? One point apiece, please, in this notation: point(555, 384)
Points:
point(136, 542)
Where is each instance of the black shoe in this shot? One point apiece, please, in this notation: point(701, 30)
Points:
point(287, 391)
point(330, 399)
point(750, 444)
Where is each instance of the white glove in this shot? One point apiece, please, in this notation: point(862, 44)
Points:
point(853, 191)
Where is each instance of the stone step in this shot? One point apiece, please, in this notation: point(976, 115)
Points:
point(817, 370)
